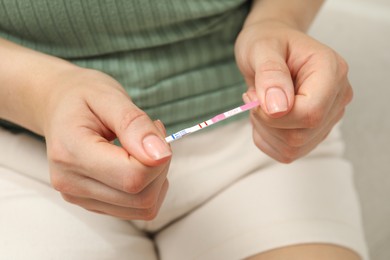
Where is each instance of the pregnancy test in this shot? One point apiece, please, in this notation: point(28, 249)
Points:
point(215, 119)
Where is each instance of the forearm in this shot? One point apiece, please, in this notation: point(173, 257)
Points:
point(26, 77)
point(297, 13)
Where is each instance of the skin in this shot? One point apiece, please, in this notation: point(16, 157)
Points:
point(80, 112)
point(79, 117)
point(302, 84)
point(303, 90)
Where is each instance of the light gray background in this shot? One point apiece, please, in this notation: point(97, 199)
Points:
point(360, 31)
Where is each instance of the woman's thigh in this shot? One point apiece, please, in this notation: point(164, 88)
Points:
point(308, 252)
point(36, 223)
point(311, 201)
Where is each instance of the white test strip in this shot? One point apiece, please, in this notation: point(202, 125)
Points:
point(211, 121)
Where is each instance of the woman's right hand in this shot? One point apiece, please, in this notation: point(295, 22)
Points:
point(80, 112)
point(83, 113)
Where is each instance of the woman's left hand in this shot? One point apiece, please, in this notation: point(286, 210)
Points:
point(301, 84)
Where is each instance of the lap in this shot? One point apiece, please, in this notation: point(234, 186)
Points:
point(308, 252)
point(267, 205)
point(284, 205)
point(226, 201)
point(36, 223)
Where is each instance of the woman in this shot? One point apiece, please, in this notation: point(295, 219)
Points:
point(82, 74)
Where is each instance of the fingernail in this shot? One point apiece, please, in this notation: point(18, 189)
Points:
point(276, 100)
point(245, 98)
point(160, 126)
point(252, 96)
point(156, 148)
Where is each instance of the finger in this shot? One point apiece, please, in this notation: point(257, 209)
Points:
point(265, 146)
point(293, 137)
point(289, 145)
point(273, 82)
point(113, 166)
point(345, 96)
point(83, 187)
point(127, 213)
point(160, 127)
point(136, 132)
point(311, 110)
point(318, 82)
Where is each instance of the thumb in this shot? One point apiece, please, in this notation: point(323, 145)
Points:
point(273, 82)
point(142, 138)
point(160, 127)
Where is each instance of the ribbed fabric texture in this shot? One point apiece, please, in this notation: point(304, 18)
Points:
point(174, 57)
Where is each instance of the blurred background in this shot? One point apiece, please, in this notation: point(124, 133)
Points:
point(359, 30)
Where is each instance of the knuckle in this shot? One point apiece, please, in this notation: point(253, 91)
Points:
point(149, 214)
point(132, 187)
point(58, 154)
point(148, 200)
point(339, 64)
point(130, 117)
point(313, 118)
point(135, 184)
point(329, 54)
point(289, 155)
point(343, 66)
point(272, 66)
point(286, 160)
point(59, 183)
point(69, 198)
point(349, 95)
point(296, 138)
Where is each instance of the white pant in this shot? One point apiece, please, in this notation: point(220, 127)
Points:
point(226, 200)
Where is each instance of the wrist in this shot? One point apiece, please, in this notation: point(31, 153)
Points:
point(25, 83)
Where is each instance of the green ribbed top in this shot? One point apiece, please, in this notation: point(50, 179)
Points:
point(174, 57)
